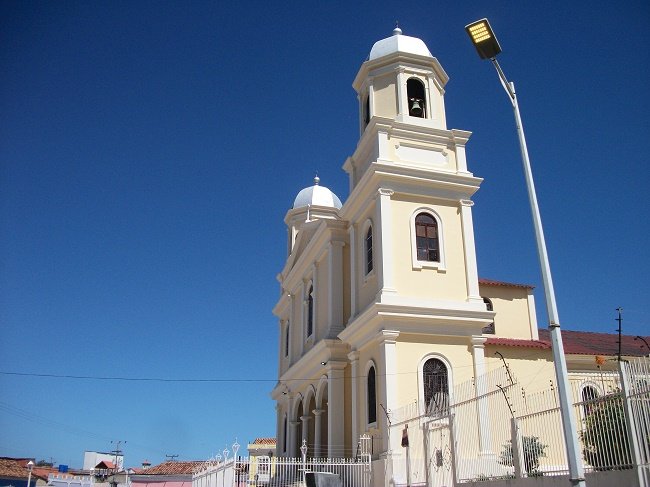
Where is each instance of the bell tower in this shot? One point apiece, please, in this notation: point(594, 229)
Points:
point(401, 87)
point(409, 175)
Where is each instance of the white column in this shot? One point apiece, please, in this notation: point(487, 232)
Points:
point(353, 273)
point(305, 430)
point(388, 393)
point(471, 271)
point(278, 426)
point(354, 362)
point(384, 224)
point(335, 289)
point(402, 102)
point(282, 345)
point(432, 98)
point(314, 279)
point(303, 318)
point(317, 431)
point(335, 408)
point(480, 385)
point(293, 438)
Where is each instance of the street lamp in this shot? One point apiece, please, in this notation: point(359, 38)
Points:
point(488, 47)
point(30, 466)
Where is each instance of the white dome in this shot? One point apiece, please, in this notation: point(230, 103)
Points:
point(399, 43)
point(317, 196)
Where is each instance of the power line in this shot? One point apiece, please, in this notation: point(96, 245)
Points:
point(130, 379)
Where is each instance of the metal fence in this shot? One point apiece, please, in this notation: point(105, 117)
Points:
point(492, 429)
point(284, 472)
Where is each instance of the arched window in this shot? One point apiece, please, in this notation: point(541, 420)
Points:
point(426, 234)
point(416, 98)
point(489, 329)
point(366, 111)
point(287, 332)
point(310, 311)
point(372, 396)
point(589, 394)
point(436, 387)
point(368, 250)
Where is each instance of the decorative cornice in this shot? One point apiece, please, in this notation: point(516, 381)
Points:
point(469, 203)
point(385, 192)
point(387, 336)
point(478, 341)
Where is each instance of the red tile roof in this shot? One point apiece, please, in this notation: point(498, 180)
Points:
point(516, 342)
point(579, 343)
point(263, 441)
point(12, 468)
point(590, 343)
point(174, 468)
point(491, 282)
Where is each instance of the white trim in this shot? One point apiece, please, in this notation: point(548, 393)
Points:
point(369, 364)
point(450, 379)
point(353, 356)
point(421, 264)
point(469, 247)
point(353, 272)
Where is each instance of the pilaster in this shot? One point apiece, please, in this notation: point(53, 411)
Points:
point(317, 432)
point(293, 438)
point(469, 247)
point(387, 395)
point(335, 289)
point(384, 222)
point(353, 272)
point(480, 385)
point(354, 386)
point(335, 408)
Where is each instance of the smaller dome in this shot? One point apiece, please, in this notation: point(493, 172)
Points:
point(317, 195)
point(399, 43)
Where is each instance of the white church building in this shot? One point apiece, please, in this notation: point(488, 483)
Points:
point(381, 305)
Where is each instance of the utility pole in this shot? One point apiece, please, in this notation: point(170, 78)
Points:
point(620, 330)
point(117, 452)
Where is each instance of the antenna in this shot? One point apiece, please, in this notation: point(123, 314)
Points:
point(172, 458)
point(620, 330)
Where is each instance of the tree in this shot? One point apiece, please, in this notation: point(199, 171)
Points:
point(606, 445)
point(533, 449)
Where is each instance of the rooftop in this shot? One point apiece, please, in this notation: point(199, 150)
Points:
point(174, 468)
point(580, 343)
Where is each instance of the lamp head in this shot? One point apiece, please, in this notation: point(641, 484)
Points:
point(483, 38)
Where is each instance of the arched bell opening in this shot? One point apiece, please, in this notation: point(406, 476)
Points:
point(416, 98)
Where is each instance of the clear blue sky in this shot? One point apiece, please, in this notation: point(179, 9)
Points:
point(150, 150)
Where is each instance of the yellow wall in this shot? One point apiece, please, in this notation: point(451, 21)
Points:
point(428, 283)
point(511, 307)
point(385, 98)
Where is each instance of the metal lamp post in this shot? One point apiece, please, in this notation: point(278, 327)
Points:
point(30, 466)
point(488, 47)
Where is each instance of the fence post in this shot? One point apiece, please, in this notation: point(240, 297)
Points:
point(517, 449)
point(452, 447)
point(303, 450)
point(427, 461)
point(629, 421)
